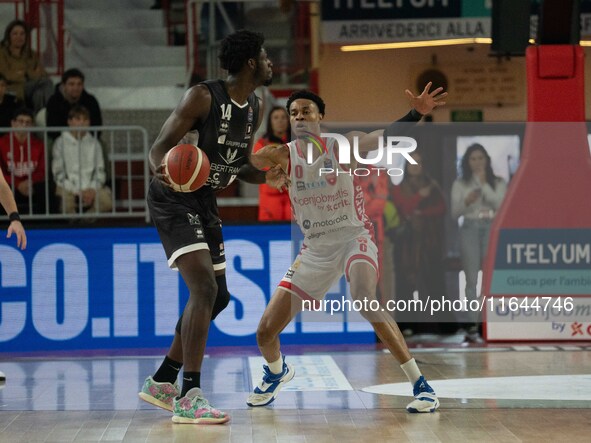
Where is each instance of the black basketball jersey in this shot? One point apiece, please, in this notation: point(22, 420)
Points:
point(225, 135)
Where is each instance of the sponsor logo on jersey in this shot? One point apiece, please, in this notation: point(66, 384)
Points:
point(320, 199)
point(334, 221)
point(224, 127)
point(231, 156)
point(315, 235)
point(302, 186)
point(194, 219)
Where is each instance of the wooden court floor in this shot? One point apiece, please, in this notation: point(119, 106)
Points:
point(488, 394)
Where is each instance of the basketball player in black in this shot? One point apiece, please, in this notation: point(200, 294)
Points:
point(226, 114)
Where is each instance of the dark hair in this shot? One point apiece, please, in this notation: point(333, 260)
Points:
point(79, 110)
point(13, 24)
point(2, 78)
point(237, 48)
point(467, 171)
point(269, 135)
point(23, 111)
point(308, 95)
point(72, 73)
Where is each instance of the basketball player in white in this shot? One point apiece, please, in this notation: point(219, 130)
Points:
point(338, 239)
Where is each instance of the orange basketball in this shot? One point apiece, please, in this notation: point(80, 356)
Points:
point(187, 167)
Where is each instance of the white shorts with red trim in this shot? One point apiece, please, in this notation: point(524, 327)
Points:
point(314, 271)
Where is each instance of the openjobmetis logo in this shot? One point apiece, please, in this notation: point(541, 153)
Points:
point(382, 158)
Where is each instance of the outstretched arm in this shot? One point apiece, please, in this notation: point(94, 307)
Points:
point(270, 156)
point(9, 205)
point(276, 160)
point(420, 105)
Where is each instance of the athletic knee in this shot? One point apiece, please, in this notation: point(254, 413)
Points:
point(366, 302)
point(204, 293)
point(223, 297)
point(265, 334)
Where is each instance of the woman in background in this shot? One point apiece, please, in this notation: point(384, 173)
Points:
point(22, 68)
point(274, 205)
point(476, 196)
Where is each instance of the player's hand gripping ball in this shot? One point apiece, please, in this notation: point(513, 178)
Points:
point(186, 168)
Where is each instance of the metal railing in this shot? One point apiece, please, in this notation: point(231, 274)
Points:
point(125, 153)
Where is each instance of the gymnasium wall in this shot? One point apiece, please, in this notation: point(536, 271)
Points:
point(369, 85)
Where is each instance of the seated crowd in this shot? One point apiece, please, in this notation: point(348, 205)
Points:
point(67, 176)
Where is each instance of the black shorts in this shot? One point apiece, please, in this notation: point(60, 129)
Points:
point(187, 222)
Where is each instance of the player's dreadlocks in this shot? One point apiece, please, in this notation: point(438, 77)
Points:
point(237, 48)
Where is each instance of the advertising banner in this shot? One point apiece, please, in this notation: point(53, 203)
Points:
point(376, 21)
point(91, 289)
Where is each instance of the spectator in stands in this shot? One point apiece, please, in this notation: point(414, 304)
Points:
point(274, 205)
point(8, 104)
point(22, 156)
point(476, 196)
point(9, 205)
point(418, 248)
point(78, 167)
point(22, 67)
point(69, 93)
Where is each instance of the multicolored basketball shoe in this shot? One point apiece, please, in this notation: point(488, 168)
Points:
point(193, 408)
point(159, 394)
point(265, 393)
point(425, 398)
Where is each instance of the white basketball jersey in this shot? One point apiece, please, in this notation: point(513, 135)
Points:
point(328, 208)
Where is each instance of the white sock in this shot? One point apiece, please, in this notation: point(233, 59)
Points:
point(276, 367)
point(412, 371)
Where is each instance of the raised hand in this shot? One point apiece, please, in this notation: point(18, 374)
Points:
point(427, 101)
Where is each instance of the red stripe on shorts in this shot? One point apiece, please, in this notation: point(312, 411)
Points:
point(360, 257)
point(300, 293)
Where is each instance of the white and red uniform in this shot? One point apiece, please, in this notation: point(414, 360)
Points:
point(330, 212)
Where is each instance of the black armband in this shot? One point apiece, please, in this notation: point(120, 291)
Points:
point(13, 216)
point(416, 114)
point(398, 127)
